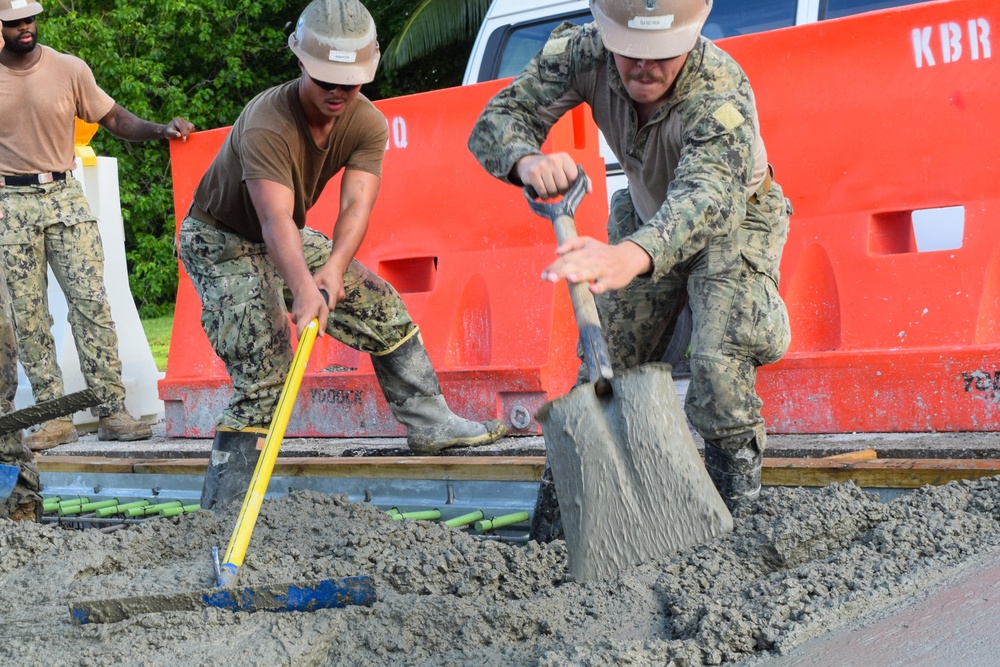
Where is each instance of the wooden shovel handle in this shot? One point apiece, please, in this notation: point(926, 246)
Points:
point(595, 349)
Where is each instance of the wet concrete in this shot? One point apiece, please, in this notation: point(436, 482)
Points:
point(954, 625)
point(446, 597)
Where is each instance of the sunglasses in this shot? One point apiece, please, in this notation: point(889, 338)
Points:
point(333, 86)
point(28, 20)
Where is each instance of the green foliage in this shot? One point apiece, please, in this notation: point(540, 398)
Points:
point(202, 60)
point(433, 25)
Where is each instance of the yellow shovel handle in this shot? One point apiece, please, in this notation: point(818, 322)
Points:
point(237, 548)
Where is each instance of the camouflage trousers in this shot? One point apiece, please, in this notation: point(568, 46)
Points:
point(738, 320)
point(244, 313)
point(12, 449)
point(52, 225)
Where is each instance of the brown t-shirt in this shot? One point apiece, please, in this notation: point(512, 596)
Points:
point(271, 141)
point(37, 111)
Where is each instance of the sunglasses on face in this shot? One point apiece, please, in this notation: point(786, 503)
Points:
point(27, 20)
point(333, 86)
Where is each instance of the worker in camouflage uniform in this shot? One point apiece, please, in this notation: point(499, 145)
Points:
point(24, 504)
point(248, 251)
point(702, 219)
point(47, 220)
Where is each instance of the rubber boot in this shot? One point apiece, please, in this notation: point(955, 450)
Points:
point(735, 472)
point(230, 468)
point(411, 388)
point(546, 521)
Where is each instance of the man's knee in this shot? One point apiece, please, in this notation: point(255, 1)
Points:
point(721, 401)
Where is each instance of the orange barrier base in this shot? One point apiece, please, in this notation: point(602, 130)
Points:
point(913, 391)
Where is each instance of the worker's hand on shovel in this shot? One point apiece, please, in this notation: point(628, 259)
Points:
point(548, 175)
point(605, 267)
point(309, 306)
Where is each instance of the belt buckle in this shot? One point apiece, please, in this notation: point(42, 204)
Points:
point(45, 178)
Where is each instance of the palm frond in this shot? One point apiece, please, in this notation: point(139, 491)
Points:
point(434, 24)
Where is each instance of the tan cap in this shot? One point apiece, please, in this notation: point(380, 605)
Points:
point(650, 29)
point(336, 42)
point(11, 10)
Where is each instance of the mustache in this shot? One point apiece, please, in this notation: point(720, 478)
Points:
point(646, 77)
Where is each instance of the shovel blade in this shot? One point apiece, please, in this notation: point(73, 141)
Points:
point(630, 482)
point(325, 594)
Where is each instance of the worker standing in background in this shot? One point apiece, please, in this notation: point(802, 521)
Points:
point(701, 219)
point(47, 220)
point(24, 503)
point(248, 251)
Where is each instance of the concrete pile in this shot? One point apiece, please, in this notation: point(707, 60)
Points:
point(804, 562)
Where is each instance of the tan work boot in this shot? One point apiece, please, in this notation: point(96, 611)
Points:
point(121, 426)
point(51, 433)
point(28, 511)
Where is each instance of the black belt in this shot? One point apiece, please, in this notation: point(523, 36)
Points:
point(206, 218)
point(32, 179)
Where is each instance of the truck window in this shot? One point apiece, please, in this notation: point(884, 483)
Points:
point(519, 44)
point(833, 9)
point(742, 17)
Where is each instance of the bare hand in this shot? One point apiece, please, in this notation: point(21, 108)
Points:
point(605, 267)
point(550, 175)
point(178, 128)
point(311, 305)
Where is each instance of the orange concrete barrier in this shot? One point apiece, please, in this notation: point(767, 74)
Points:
point(464, 251)
point(872, 122)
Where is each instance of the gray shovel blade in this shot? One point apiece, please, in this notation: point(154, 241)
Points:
point(630, 482)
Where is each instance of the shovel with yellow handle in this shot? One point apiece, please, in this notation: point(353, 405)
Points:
point(325, 594)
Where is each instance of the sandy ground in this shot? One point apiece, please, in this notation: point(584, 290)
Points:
point(800, 563)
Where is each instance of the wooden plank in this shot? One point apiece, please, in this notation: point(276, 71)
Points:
point(84, 464)
point(464, 468)
point(467, 468)
point(857, 467)
point(851, 457)
point(879, 473)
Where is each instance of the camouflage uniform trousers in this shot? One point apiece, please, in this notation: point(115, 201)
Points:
point(12, 449)
point(244, 313)
point(739, 321)
point(52, 224)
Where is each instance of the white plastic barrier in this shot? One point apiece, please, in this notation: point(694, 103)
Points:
point(139, 373)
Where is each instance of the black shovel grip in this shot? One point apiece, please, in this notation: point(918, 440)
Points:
point(595, 348)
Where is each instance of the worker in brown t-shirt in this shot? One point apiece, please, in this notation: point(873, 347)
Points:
point(46, 220)
point(248, 251)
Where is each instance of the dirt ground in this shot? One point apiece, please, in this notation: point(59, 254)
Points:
point(800, 563)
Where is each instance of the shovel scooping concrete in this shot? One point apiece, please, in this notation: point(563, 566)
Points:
point(630, 483)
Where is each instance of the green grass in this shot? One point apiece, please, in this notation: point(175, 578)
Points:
point(158, 334)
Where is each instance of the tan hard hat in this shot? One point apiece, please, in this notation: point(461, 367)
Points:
point(650, 29)
point(336, 42)
point(11, 10)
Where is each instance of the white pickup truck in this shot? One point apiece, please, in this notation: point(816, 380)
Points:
point(515, 30)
